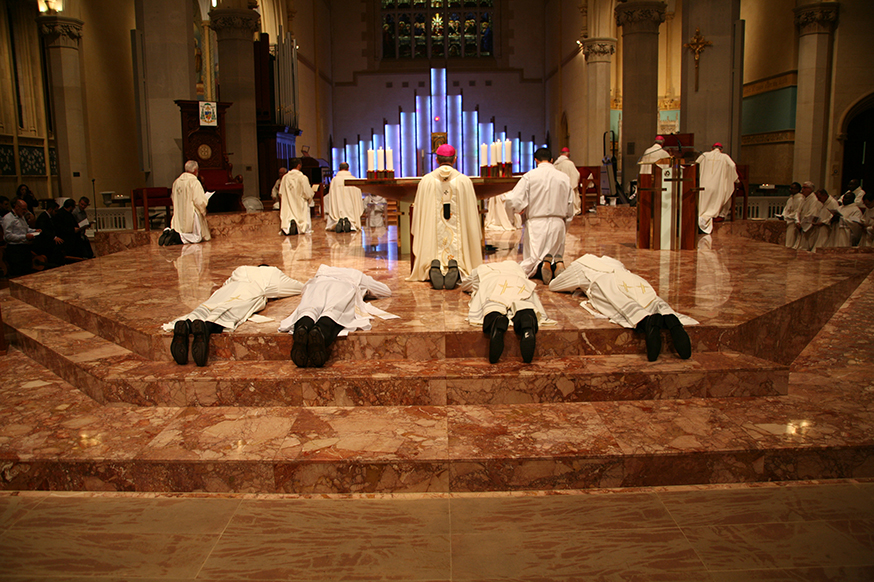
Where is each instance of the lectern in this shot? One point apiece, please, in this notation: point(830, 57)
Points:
point(667, 207)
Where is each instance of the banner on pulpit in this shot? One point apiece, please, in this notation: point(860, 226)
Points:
point(208, 113)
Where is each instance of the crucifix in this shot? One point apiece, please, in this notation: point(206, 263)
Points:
point(697, 44)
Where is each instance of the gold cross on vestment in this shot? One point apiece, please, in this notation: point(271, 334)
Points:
point(697, 44)
point(235, 298)
point(625, 286)
point(504, 287)
point(522, 289)
point(642, 288)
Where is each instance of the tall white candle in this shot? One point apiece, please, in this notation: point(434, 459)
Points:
point(495, 157)
point(483, 155)
point(369, 160)
point(389, 160)
point(508, 151)
point(380, 160)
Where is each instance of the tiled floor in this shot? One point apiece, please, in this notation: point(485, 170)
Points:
point(732, 533)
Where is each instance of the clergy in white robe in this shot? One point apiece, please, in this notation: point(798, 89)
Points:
point(807, 213)
point(847, 231)
point(653, 153)
point(824, 221)
point(625, 299)
point(544, 198)
point(244, 293)
point(854, 188)
point(295, 195)
point(717, 174)
point(867, 239)
point(445, 224)
point(274, 193)
point(790, 213)
point(331, 305)
point(189, 207)
point(497, 218)
point(500, 293)
point(343, 202)
point(564, 164)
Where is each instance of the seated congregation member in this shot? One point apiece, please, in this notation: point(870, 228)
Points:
point(19, 239)
point(331, 305)
point(295, 194)
point(48, 243)
point(847, 230)
point(188, 225)
point(544, 198)
point(244, 293)
point(343, 204)
point(790, 213)
point(447, 239)
point(81, 216)
point(501, 292)
point(68, 230)
point(627, 300)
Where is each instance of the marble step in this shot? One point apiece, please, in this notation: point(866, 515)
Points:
point(387, 341)
point(55, 438)
point(111, 373)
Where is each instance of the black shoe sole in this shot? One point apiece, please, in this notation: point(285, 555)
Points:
point(496, 345)
point(179, 345)
point(653, 337)
point(200, 343)
point(436, 276)
point(299, 354)
point(527, 344)
point(165, 236)
point(452, 276)
point(316, 349)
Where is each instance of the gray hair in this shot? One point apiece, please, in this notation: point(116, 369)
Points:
point(809, 184)
point(191, 166)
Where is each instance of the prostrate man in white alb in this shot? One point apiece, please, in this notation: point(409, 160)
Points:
point(188, 225)
point(847, 231)
point(790, 213)
point(653, 153)
point(295, 194)
point(564, 164)
point(447, 238)
point(331, 304)
point(343, 204)
point(501, 292)
point(627, 300)
point(544, 198)
point(244, 293)
point(718, 174)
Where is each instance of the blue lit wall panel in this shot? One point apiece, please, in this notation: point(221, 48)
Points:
point(337, 155)
point(453, 127)
point(408, 145)
point(393, 141)
point(351, 158)
point(470, 137)
point(423, 131)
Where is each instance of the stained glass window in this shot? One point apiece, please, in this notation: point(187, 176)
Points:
point(427, 29)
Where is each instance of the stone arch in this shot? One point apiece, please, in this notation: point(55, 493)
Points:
point(856, 142)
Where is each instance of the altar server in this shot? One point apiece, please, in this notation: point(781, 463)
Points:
point(564, 164)
point(295, 194)
point(626, 299)
point(343, 205)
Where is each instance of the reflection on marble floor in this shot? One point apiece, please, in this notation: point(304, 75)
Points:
point(778, 531)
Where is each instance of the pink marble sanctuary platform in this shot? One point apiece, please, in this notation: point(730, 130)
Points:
point(778, 386)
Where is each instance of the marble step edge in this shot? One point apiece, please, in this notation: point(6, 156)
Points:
point(109, 373)
point(154, 344)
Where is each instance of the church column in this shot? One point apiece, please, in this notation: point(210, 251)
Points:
point(816, 23)
point(712, 87)
point(164, 63)
point(599, 53)
point(61, 35)
point(639, 20)
point(235, 28)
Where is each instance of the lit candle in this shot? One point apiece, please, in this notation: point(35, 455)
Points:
point(508, 152)
point(483, 155)
point(369, 160)
point(389, 160)
point(380, 160)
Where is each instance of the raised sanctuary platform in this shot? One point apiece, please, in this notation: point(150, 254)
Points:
point(91, 399)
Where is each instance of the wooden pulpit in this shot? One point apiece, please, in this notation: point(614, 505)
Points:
point(667, 207)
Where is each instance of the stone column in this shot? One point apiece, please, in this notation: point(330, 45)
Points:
point(639, 20)
point(234, 28)
point(816, 23)
point(599, 53)
point(61, 35)
point(164, 39)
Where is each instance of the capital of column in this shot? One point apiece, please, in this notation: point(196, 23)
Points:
point(599, 50)
point(817, 18)
point(640, 16)
point(234, 23)
point(60, 31)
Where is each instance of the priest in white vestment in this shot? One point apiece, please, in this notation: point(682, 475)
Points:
point(809, 210)
point(331, 305)
point(189, 210)
point(295, 195)
point(447, 237)
point(625, 299)
point(790, 213)
point(564, 164)
point(343, 205)
point(497, 218)
point(501, 292)
point(854, 188)
point(824, 221)
point(867, 239)
point(847, 231)
point(544, 198)
point(274, 193)
point(717, 174)
point(653, 153)
point(244, 293)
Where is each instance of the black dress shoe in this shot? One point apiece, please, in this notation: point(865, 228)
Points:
point(174, 239)
point(452, 275)
point(347, 225)
point(299, 349)
point(652, 329)
point(316, 348)
point(200, 342)
point(165, 236)
point(338, 228)
point(179, 345)
point(436, 275)
point(292, 228)
point(496, 338)
point(679, 337)
point(546, 269)
point(527, 343)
